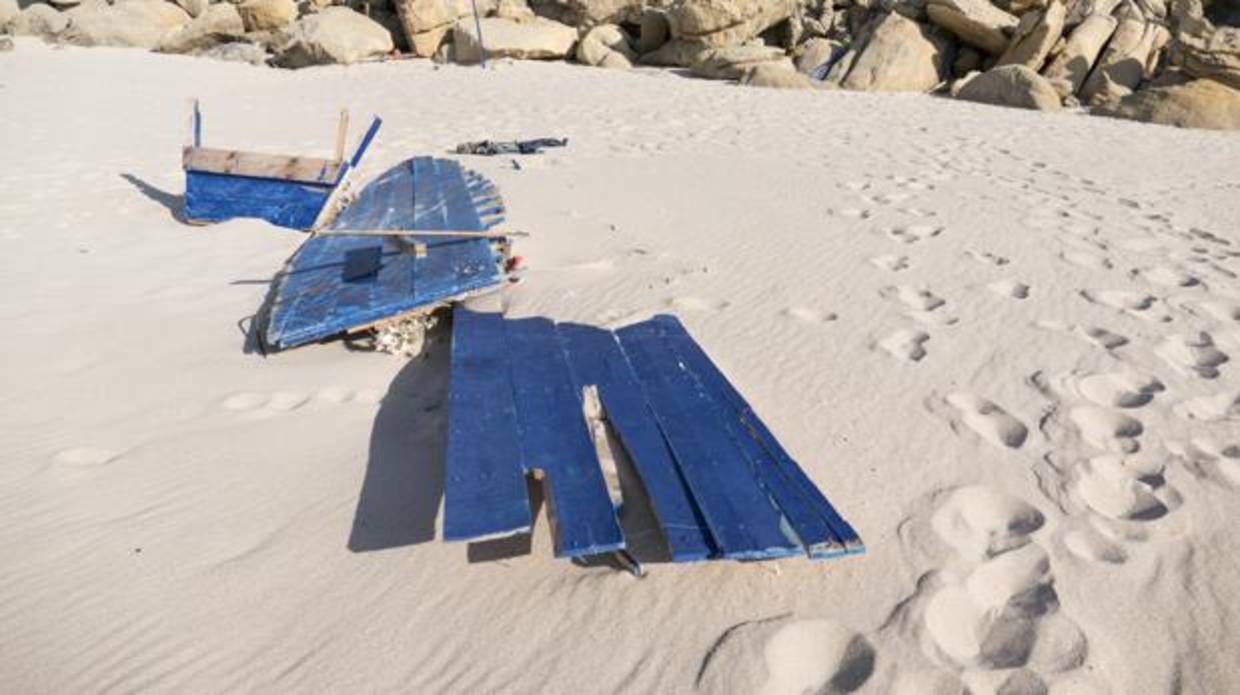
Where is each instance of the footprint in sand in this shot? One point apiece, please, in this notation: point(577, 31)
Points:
point(698, 304)
point(1004, 614)
point(1010, 288)
point(891, 262)
point(1106, 429)
point(1205, 451)
point(912, 234)
point(1087, 544)
point(1139, 305)
point(906, 344)
point(816, 656)
point(1086, 259)
point(854, 213)
point(914, 298)
point(808, 315)
point(85, 456)
point(986, 257)
point(1165, 276)
point(265, 403)
point(1192, 354)
point(1118, 390)
point(987, 420)
point(1215, 408)
point(1116, 490)
point(1102, 337)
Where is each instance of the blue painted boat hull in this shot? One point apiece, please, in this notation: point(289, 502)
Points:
point(336, 283)
point(213, 197)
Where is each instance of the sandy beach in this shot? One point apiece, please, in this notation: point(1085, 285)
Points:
point(1003, 342)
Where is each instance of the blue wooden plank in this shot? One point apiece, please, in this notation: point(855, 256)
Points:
point(362, 262)
point(821, 529)
point(484, 488)
point(556, 440)
point(595, 358)
point(742, 518)
point(310, 303)
point(369, 137)
point(218, 197)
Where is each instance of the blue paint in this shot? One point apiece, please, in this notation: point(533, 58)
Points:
point(822, 531)
point(596, 358)
point(744, 521)
point(216, 197)
point(484, 487)
point(556, 440)
point(211, 197)
point(365, 144)
point(311, 302)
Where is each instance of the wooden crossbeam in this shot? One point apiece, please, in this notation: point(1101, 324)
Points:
point(463, 234)
point(266, 166)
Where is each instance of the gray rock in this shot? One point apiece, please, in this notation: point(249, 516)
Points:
point(267, 15)
point(1198, 104)
point(675, 53)
point(975, 22)
point(1202, 49)
point(655, 31)
point(220, 23)
point(777, 76)
point(537, 39)
point(335, 35)
point(38, 20)
point(901, 56)
point(733, 62)
point(1011, 85)
point(1035, 36)
point(1127, 61)
point(723, 23)
point(137, 23)
point(606, 46)
point(1068, 70)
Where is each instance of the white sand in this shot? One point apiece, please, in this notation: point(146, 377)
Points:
point(917, 294)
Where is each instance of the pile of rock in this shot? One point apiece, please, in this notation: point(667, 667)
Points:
point(1158, 60)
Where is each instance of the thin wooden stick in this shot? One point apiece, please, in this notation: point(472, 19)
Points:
point(420, 232)
point(342, 132)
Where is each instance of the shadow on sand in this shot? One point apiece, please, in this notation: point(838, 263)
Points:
point(174, 203)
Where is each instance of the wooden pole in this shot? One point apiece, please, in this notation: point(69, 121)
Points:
point(421, 232)
point(342, 132)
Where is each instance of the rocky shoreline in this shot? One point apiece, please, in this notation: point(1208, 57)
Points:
point(1173, 62)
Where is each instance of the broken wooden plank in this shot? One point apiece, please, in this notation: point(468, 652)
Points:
point(263, 166)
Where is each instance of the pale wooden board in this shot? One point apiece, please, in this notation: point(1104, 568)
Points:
point(266, 166)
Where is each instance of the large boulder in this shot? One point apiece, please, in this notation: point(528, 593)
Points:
point(1035, 36)
point(38, 20)
point(334, 35)
point(1197, 104)
point(676, 53)
point(606, 46)
point(733, 62)
point(1011, 85)
point(590, 13)
point(901, 56)
point(194, 8)
point(266, 15)
point(139, 23)
point(537, 39)
point(777, 76)
point(1129, 58)
point(426, 23)
point(975, 22)
point(1068, 70)
point(655, 30)
point(219, 23)
point(1202, 49)
point(9, 9)
point(721, 23)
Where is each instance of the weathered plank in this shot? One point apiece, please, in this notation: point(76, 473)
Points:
point(261, 166)
point(596, 358)
point(821, 529)
point(484, 484)
point(742, 518)
point(219, 197)
point(556, 441)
